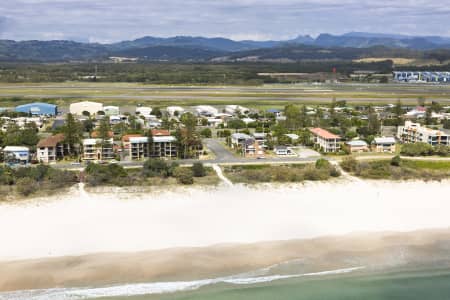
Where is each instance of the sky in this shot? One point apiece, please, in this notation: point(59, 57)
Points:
point(107, 21)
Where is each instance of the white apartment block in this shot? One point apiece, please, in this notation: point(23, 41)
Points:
point(415, 132)
point(325, 140)
point(162, 147)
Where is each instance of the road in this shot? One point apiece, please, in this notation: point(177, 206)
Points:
point(222, 157)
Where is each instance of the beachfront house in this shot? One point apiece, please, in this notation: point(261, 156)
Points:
point(357, 146)
point(414, 132)
point(246, 145)
point(325, 140)
point(384, 144)
point(16, 155)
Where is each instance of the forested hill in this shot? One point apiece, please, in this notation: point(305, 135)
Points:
point(348, 47)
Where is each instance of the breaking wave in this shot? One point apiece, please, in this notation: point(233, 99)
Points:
point(138, 289)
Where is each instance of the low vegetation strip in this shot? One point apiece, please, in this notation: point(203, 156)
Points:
point(397, 169)
point(31, 180)
point(154, 172)
point(253, 174)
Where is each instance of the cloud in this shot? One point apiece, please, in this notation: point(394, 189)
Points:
point(113, 20)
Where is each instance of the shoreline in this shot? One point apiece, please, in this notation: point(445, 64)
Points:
point(363, 252)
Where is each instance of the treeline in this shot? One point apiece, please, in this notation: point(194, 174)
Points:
point(177, 73)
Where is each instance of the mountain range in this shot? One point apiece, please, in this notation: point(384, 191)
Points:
point(186, 48)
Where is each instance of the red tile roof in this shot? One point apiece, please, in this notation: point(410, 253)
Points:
point(126, 138)
point(51, 141)
point(160, 132)
point(324, 133)
point(95, 134)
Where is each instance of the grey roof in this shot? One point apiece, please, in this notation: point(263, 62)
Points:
point(384, 140)
point(357, 143)
point(240, 136)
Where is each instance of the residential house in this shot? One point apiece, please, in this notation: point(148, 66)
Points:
point(325, 140)
point(294, 138)
point(236, 109)
point(275, 112)
point(206, 111)
point(415, 132)
point(52, 149)
point(246, 144)
point(260, 138)
point(16, 155)
point(384, 144)
point(357, 146)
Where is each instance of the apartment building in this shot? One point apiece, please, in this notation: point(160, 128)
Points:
point(414, 132)
point(97, 150)
point(325, 140)
point(164, 146)
point(52, 149)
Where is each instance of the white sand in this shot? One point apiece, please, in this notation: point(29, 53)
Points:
point(82, 223)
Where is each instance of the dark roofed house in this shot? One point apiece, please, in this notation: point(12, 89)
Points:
point(52, 149)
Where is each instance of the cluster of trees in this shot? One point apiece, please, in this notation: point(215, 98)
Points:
point(15, 136)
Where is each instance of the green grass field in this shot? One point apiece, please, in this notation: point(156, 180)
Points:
point(254, 96)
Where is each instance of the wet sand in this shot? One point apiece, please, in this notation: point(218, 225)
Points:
point(374, 251)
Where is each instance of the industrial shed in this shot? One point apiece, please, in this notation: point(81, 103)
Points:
point(38, 109)
point(92, 107)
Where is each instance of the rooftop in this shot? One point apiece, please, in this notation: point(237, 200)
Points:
point(324, 133)
point(51, 141)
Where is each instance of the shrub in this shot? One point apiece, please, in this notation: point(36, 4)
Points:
point(206, 133)
point(183, 175)
point(198, 169)
point(395, 161)
point(26, 186)
point(334, 172)
point(349, 164)
point(156, 167)
point(442, 150)
point(322, 163)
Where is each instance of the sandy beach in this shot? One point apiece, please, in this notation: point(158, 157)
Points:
point(112, 237)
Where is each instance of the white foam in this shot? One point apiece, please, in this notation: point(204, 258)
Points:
point(152, 288)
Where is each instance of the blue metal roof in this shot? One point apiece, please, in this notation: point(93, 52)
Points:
point(38, 108)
